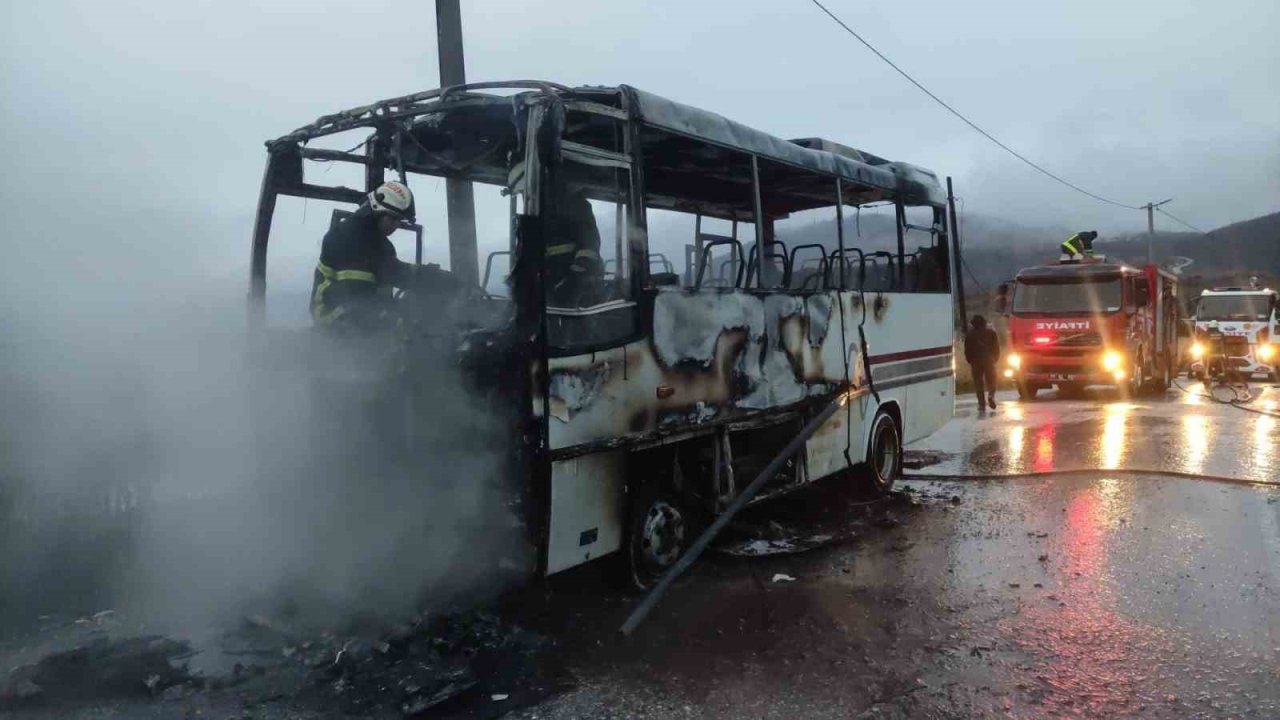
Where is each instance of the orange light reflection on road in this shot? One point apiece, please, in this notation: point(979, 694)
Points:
point(1015, 412)
point(1195, 438)
point(1113, 437)
point(1043, 460)
point(1264, 450)
point(1017, 435)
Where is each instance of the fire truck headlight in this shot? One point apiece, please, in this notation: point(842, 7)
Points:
point(1266, 353)
point(1197, 350)
point(1111, 360)
point(1015, 361)
point(1008, 373)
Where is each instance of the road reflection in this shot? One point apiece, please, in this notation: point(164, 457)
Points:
point(1045, 436)
point(1264, 444)
point(1017, 439)
point(1113, 434)
point(1195, 438)
point(1088, 653)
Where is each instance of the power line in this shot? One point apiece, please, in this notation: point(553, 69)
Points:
point(1180, 221)
point(966, 120)
point(964, 261)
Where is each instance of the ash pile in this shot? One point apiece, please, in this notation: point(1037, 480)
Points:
point(467, 664)
point(462, 665)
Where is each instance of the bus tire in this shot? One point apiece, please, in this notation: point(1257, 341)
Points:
point(658, 533)
point(884, 455)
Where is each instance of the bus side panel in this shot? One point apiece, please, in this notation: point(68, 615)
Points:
point(825, 453)
point(911, 346)
point(712, 356)
point(932, 403)
point(587, 508)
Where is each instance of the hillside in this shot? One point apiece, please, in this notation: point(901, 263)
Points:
point(1248, 247)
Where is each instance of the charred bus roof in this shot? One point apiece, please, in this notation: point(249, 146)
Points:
point(482, 122)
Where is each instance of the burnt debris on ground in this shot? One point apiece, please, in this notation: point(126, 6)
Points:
point(470, 665)
point(459, 665)
point(100, 669)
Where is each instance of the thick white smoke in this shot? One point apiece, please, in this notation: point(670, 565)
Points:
point(152, 464)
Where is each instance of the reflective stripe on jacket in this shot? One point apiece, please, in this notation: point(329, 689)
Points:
point(358, 267)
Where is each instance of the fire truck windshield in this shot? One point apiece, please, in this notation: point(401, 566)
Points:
point(1067, 298)
point(1234, 307)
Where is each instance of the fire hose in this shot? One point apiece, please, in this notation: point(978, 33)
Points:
point(1076, 472)
point(1242, 396)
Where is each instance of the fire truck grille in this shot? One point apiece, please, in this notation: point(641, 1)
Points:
point(1085, 339)
point(1237, 346)
point(1057, 369)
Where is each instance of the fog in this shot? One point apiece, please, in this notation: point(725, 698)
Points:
point(160, 462)
point(148, 464)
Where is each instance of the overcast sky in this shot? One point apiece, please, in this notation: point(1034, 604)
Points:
point(137, 127)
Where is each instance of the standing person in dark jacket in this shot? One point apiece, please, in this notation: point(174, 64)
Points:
point(982, 351)
point(351, 287)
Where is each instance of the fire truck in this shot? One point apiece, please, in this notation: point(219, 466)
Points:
point(1090, 321)
point(1247, 320)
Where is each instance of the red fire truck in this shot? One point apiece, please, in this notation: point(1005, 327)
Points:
point(1090, 321)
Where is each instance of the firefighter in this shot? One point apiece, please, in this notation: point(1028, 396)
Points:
point(351, 286)
point(982, 351)
point(1079, 244)
point(574, 267)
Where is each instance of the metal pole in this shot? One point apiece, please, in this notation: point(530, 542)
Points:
point(1151, 225)
point(697, 249)
point(956, 259)
point(696, 549)
point(460, 198)
point(839, 231)
point(901, 215)
point(758, 204)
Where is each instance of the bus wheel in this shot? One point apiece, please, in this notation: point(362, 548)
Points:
point(884, 455)
point(657, 534)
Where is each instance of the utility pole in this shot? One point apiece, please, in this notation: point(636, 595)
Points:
point(1151, 223)
point(460, 198)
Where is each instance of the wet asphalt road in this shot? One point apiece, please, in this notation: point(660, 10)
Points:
point(1094, 595)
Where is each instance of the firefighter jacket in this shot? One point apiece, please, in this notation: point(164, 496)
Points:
point(573, 249)
point(351, 286)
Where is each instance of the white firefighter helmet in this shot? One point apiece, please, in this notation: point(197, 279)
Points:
point(392, 198)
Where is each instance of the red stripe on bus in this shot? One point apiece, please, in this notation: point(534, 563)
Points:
point(909, 355)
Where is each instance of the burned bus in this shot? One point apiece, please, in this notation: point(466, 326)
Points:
point(647, 390)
